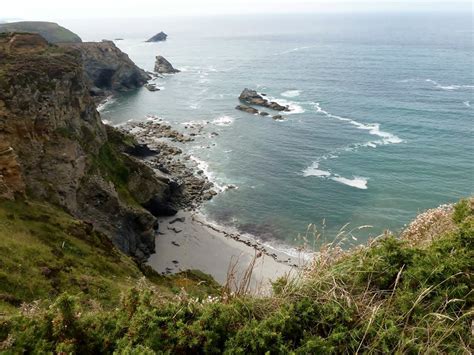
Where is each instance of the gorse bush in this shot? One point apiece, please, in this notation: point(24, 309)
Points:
point(390, 296)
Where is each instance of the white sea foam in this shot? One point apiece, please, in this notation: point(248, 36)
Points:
point(103, 105)
point(373, 128)
point(223, 121)
point(357, 181)
point(313, 170)
point(291, 93)
point(467, 103)
point(204, 166)
point(449, 87)
point(297, 49)
point(294, 107)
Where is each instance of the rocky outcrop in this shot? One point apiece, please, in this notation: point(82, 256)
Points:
point(162, 66)
point(108, 69)
point(251, 97)
point(159, 37)
point(55, 148)
point(247, 109)
point(50, 31)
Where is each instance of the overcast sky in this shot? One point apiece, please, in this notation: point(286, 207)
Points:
point(63, 9)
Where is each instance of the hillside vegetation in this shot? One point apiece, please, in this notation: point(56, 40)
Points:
point(407, 295)
point(50, 31)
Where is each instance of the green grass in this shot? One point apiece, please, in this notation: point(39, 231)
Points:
point(388, 297)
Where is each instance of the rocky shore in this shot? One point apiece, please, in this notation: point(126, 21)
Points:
point(187, 240)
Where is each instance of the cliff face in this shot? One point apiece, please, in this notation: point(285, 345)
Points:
point(54, 147)
point(108, 68)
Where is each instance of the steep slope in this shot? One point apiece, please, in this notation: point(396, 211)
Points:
point(109, 69)
point(51, 31)
point(55, 148)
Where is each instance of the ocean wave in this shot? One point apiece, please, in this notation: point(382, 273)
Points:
point(223, 121)
point(294, 107)
point(356, 181)
point(449, 87)
point(372, 128)
point(313, 170)
point(467, 103)
point(296, 49)
point(204, 166)
point(291, 93)
point(104, 104)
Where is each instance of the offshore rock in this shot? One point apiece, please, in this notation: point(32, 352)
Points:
point(253, 98)
point(159, 37)
point(162, 66)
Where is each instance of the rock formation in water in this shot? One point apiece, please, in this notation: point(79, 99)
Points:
point(162, 66)
point(251, 97)
point(159, 37)
point(55, 148)
point(50, 31)
point(108, 69)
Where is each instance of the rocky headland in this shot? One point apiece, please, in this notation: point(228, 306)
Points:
point(108, 69)
point(50, 31)
point(159, 37)
point(55, 148)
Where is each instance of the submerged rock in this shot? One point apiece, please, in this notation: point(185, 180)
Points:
point(163, 66)
point(152, 87)
point(159, 37)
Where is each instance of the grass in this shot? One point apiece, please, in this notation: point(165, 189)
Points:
point(391, 296)
point(44, 252)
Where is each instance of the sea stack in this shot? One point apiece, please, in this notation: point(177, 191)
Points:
point(159, 37)
point(162, 66)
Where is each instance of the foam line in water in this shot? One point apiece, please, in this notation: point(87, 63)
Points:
point(467, 103)
point(372, 128)
point(313, 170)
point(449, 87)
point(356, 181)
point(103, 105)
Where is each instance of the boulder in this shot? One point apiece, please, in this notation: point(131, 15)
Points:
point(163, 66)
point(247, 109)
point(159, 37)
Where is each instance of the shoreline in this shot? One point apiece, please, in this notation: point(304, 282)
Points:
point(187, 240)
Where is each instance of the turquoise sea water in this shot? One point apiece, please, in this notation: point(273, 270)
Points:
point(382, 120)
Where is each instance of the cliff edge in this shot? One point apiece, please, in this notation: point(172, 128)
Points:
point(54, 147)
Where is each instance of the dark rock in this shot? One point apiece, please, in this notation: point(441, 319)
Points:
point(174, 243)
point(263, 113)
point(158, 208)
point(247, 109)
point(278, 117)
point(141, 151)
point(178, 219)
point(252, 97)
point(162, 66)
point(108, 68)
point(152, 87)
point(159, 37)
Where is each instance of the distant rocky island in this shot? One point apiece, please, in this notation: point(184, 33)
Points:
point(159, 37)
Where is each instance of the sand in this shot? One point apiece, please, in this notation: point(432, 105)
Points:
point(197, 244)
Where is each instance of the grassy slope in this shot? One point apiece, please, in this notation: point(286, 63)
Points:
point(44, 252)
point(394, 295)
point(52, 32)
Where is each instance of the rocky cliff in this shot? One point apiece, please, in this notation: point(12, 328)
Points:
point(108, 69)
point(51, 31)
point(54, 147)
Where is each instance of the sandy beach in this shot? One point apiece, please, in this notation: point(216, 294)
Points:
point(186, 241)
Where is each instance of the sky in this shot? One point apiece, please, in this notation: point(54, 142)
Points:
point(63, 9)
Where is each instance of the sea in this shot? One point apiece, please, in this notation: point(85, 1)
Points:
point(380, 127)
